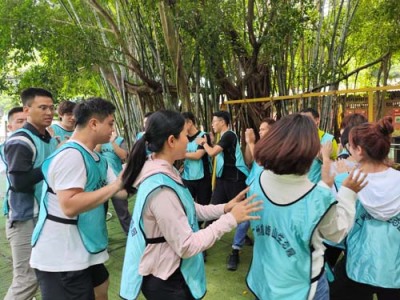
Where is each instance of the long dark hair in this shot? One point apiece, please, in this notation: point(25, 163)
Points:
point(159, 127)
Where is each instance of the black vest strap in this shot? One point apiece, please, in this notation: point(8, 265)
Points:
point(157, 240)
point(61, 220)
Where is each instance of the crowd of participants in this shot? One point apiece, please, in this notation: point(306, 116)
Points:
point(324, 217)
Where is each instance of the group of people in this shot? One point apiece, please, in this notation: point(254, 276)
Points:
point(287, 188)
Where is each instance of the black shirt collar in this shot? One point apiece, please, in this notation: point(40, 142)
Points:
point(45, 137)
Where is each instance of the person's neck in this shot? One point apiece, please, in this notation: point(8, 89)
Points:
point(373, 167)
point(192, 131)
point(42, 130)
point(84, 138)
point(225, 129)
point(66, 127)
point(164, 156)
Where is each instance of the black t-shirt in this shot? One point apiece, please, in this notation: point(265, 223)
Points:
point(230, 172)
point(204, 158)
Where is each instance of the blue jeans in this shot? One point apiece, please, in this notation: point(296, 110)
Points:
point(240, 234)
point(322, 292)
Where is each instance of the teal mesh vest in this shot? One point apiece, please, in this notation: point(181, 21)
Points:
point(281, 265)
point(240, 164)
point(61, 133)
point(113, 160)
point(315, 170)
point(91, 224)
point(192, 268)
point(40, 153)
point(373, 255)
point(194, 169)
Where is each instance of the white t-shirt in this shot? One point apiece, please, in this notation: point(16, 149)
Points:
point(59, 247)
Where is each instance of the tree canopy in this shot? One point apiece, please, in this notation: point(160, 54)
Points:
point(192, 55)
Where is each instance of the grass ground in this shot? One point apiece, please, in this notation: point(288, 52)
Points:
point(221, 284)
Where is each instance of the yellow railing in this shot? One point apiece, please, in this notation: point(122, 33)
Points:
point(370, 91)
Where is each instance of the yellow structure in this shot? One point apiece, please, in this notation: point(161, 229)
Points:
point(370, 91)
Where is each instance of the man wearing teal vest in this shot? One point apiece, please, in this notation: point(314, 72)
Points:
point(15, 120)
point(197, 165)
point(24, 153)
point(315, 171)
point(115, 152)
point(70, 239)
point(231, 168)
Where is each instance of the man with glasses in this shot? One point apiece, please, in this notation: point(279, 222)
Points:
point(24, 153)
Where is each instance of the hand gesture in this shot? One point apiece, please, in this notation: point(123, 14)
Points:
point(355, 182)
point(239, 197)
point(243, 210)
point(250, 136)
point(341, 166)
point(113, 137)
point(326, 150)
point(200, 140)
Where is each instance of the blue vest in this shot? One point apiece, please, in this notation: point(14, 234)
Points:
point(373, 255)
point(240, 164)
point(40, 153)
point(281, 265)
point(194, 169)
point(91, 224)
point(315, 170)
point(61, 133)
point(255, 172)
point(192, 268)
point(108, 152)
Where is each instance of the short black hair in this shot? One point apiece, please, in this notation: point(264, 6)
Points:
point(29, 94)
point(13, 111)
point(92, 107)
point(224, 115)
point(312, 111)
point(189, 116)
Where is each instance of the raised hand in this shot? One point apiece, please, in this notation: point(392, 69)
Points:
point(243, 210)
point(239, 197)
point(355, 181)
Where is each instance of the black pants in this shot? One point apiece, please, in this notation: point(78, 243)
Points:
point(76, 285)
point(226, 190)
point(174, 288)
point(343, 288)
point(200, 189)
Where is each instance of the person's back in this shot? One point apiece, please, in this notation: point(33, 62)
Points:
point(372, 257)
point(288, 251)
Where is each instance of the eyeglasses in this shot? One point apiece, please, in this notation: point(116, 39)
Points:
point(45, 107)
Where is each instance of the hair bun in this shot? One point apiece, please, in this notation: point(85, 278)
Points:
point(385, 125)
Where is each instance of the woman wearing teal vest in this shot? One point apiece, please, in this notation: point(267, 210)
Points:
point(372, 263)
point(288, 261)
point(163, 257)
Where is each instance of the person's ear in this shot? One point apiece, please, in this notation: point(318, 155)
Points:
point(93, 123)
point(171, 141)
